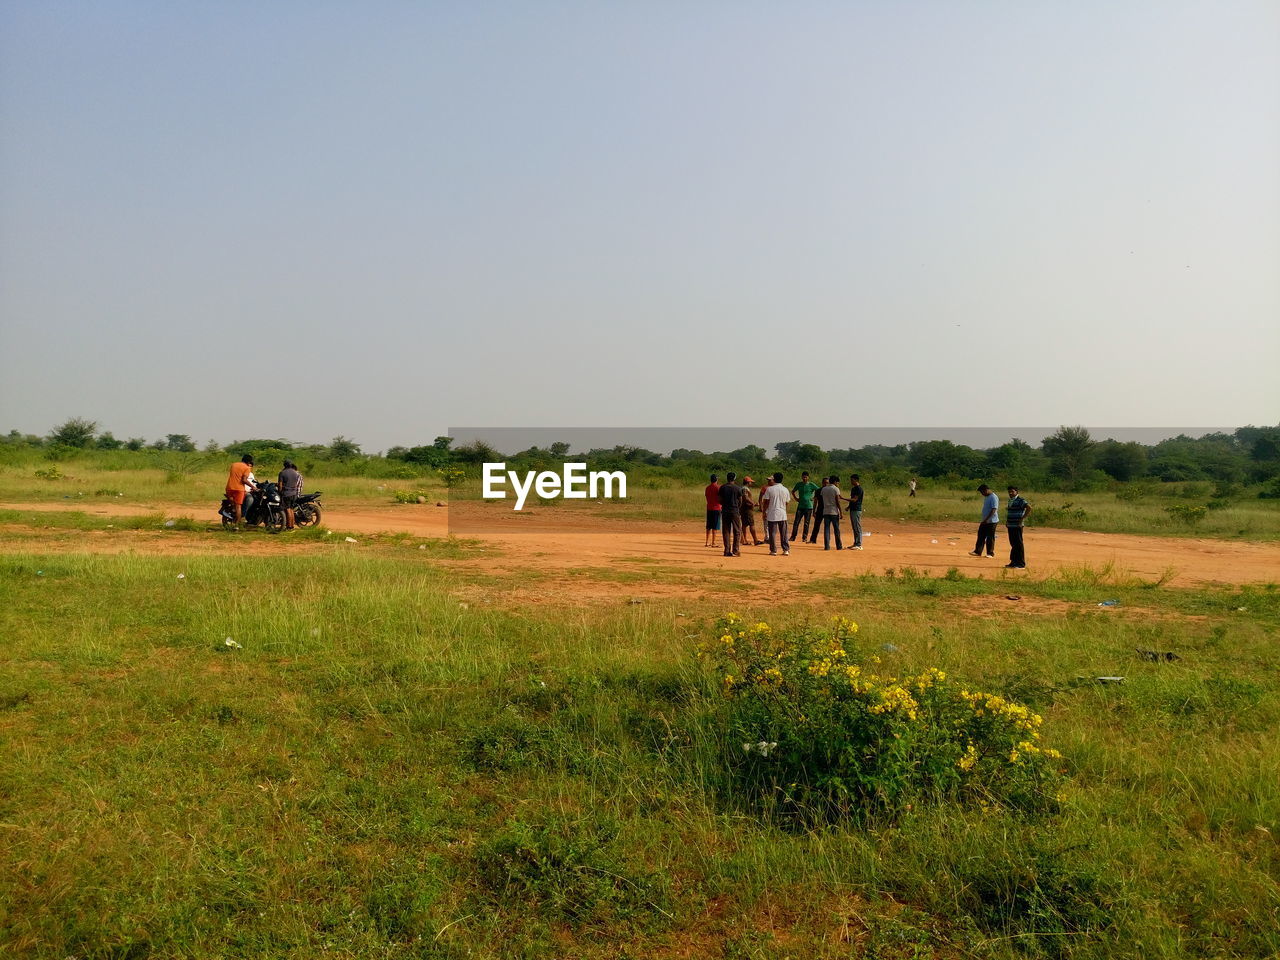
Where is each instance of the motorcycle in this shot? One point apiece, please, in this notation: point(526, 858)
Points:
point(307, 511)
point(267, 509)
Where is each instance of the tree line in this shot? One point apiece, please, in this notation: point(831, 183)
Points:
point(1070, 457)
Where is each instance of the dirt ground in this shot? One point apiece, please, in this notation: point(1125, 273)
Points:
point(599, 542)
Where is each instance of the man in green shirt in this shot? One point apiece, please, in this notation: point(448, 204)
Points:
point(803, 492)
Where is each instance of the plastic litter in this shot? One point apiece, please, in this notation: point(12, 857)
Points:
point(232, 644)
point(1109, 603)
point(352, 540)
point(764, 747)
point(889, 648)
point(171, 523)
point(1012, 596)
point(182, 576)
point(1156, 656)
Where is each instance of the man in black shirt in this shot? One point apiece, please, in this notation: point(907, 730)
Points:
point(730, 514)
point(854, 499)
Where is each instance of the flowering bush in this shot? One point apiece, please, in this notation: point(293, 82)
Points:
point(815, 730)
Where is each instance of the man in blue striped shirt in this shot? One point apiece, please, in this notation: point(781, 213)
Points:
point(1015, 514)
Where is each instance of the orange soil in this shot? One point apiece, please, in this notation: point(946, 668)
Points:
point(599, 542)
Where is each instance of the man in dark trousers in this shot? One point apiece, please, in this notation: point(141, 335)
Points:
point(1015, 516)
point(803, 493)
point(829, 504)
point(730, 514)
point(854, 499)
point(290, 490)
point(817, 512)
point(987, 525)
point(748, 513)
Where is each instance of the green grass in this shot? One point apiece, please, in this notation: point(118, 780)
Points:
point(381, 771)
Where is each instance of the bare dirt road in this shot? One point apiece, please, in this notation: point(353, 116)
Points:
point(592, 542)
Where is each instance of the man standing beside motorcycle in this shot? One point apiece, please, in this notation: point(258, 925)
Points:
point(241, 482)
point(290, 490)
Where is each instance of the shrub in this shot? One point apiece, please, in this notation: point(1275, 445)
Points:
point(567, 870)
point(452, 476)
point(814, 731)
point(1187, 513)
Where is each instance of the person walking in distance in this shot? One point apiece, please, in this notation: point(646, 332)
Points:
point(817, 516)
point(747, 510)
point(912, 487)
point(730, 520)
point(775, 500)
point(854, 499)
point(1016, 512)
point(712, 493)
point(829, 504)
point(987, 525)
point(803, 493)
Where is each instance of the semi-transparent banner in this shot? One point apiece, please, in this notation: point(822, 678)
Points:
point(601, 480)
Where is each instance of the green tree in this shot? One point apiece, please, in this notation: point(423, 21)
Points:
point(796, 453)
point(940, 458)
point(76, 432)
point(340, 448)
point(135, 443)
point(179, 443)
point(107, 442)
point(1122, 461)
point(1070, 452)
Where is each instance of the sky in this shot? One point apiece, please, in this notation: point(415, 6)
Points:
point(382, 220)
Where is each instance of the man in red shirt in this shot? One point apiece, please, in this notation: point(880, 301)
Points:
point(712, 493)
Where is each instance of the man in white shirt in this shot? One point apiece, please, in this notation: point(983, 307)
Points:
point(775, 500)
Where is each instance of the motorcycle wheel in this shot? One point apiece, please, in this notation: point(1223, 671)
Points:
point(274, 521)
point(307, 515)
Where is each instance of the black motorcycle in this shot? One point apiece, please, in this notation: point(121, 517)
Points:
point(266, 509)
point(307, 512)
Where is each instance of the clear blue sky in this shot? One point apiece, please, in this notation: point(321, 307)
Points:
point(409, 216)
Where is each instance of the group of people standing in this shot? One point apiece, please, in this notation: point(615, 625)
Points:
point(731, 512)
point(731, 508)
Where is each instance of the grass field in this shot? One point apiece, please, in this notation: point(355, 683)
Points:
point(376, 768)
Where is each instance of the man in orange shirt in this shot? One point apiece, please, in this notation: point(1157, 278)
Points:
point(240, 480)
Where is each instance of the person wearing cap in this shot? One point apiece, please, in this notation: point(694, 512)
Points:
point(240, 487)
point(290, 481)
point(747, 506)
